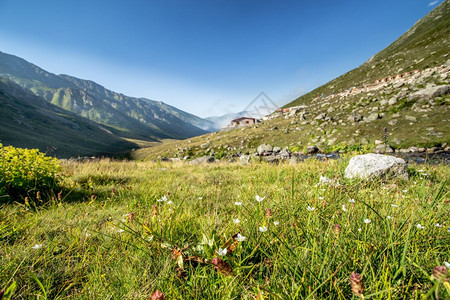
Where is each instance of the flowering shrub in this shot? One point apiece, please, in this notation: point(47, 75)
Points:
point(26, 170)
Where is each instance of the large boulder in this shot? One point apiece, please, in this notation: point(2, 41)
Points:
point(202, 160)
point(430, 92)
point(264, 149)
point(370, 166)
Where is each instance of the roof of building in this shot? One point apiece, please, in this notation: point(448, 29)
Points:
point(243, 118)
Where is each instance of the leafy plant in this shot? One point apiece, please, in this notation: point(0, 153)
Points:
point(23, 171)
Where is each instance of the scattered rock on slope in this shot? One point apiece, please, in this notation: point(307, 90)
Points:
point(430, 92)
point(202, 160)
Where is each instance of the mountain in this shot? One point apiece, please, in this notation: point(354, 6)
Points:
point(222, 121)
point(135, 118)
point(399, 97)
point(28, 121)
point(423, 46)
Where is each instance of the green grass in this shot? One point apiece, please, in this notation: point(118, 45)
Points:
point(93, 248)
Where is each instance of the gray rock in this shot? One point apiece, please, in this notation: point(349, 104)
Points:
point(204, 146)
point(264, 149)
point(285, 153)
point(273, 159)
point(202, 160)
point(372, 117)
point(381, 149)
point(312, 149)
point(411, 118)
point(430, 92)
point(392, 101)
point(276, 149)
point(370, 166)
point(331, 141)
point(245, 159)
point(321, 116)
point(355, 118)
point(393, 122)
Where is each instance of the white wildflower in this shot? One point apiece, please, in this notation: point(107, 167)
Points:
point(169, 202)
point(419, 226)
point(259, 199)
point(438, 225)
point(88, 234)
point(222, 252)
point(120, 230)
point(276, 223)
point(394, 205)
point(447, 264)
point(310, 208)
point(351, 200)
point(37, 246)
point(321, 198)
point(238, 203)
point(200, 198)
point(359, 229)
point(240, 238)
point(236, 221)
point(389, 217)
point(263, 229)
point(367, 221)
point(344, 208)
point(162, 199)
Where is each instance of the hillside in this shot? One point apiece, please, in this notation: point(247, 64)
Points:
point(400, 97)
point(425, 45)
point(28, 121)
point(136, 118)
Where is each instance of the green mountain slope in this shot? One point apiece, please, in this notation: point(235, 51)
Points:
point(136, 118)
point(354, 111)
point(28, 121)
point(425, 45)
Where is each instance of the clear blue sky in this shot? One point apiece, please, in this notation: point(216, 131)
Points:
point(208, 57)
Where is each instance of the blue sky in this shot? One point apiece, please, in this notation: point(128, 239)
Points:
point(207, 57)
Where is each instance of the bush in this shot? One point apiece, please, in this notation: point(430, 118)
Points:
point(23, 171)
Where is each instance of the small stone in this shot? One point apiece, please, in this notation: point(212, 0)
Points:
point(372, 117)
point(312, 149)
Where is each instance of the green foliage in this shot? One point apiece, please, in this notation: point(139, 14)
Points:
point(219, 155)
point(26, 170)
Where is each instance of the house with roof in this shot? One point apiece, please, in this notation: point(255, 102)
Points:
point(243, 121)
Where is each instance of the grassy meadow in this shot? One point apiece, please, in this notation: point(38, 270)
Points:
point(122, 230)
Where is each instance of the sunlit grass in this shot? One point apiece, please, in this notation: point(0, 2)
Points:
point(302, 241)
